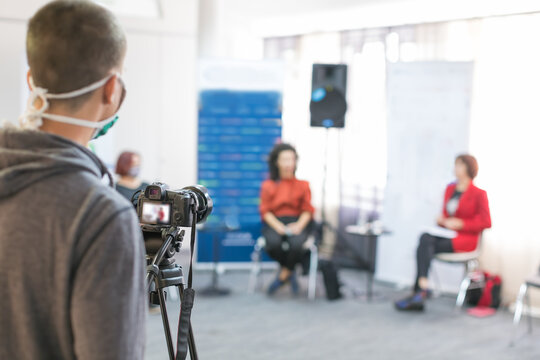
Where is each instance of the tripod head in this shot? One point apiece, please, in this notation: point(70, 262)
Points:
point(171, 242)
point(154, 241)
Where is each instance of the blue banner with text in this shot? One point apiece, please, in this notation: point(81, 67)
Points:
point(237, 130)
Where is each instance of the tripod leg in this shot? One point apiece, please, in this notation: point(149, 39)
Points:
point(165, 319)
point(192, 349)
point(191, 339)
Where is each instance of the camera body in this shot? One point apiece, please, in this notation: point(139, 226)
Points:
point(159, 208)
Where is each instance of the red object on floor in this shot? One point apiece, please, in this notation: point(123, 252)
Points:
point(481, 311)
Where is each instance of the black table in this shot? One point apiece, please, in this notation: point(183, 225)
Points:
point(216, 230)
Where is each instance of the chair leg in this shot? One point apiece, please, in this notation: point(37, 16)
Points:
point(255, 269)
point(518, 312)
point(463, 288)
point(519, 304)
point(313, 264)
point(437, 288)
point(463, 292)
point(529, 317)
point(470, 266)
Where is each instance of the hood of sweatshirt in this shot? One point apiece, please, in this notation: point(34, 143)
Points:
point(28, 156)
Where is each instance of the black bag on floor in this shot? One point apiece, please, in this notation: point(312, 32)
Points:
point(330, 277)
point(485, 291)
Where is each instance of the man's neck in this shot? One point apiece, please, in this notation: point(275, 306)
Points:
point(78, 134)
point(52, 127)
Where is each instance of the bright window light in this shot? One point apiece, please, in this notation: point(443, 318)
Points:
point(392, 47)
point(408, 51)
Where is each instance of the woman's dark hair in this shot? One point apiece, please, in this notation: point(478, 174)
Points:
point(470, 163)
point(124, 162)
point(273, 157)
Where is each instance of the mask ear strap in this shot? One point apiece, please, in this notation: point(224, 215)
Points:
point(74, 121)
point(83, 90)
point(31, 118)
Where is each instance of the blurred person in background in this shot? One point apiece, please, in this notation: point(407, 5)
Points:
point(466, 213)
point(287, 215)
point(128, 167)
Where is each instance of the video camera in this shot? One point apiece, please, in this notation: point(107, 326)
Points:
point(159, 208)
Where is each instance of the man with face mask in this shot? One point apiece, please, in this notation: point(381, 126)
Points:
point(71, 252)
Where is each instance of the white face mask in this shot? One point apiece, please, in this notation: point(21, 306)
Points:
point(32, 117)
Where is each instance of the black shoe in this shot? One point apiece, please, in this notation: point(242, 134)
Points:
point(411, 303)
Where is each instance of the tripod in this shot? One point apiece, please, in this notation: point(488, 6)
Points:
point(163, 272)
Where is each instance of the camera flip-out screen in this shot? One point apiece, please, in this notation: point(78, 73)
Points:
point(156, 213)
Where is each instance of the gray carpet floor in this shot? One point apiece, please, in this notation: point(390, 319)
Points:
point(256, 327)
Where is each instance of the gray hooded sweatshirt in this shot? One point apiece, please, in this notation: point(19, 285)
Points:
point(71, 255)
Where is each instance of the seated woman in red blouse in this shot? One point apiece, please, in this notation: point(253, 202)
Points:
point(287, 214)
point(465, 211)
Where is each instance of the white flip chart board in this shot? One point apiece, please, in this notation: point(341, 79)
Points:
point(428, 110)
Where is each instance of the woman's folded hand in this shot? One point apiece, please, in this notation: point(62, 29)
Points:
point(440, 220)
point(453, 223)
point(295, 228)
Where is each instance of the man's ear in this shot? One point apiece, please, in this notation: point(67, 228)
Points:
point(110, 91)
point(28, 76)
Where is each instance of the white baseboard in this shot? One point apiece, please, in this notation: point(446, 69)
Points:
point(225, 266)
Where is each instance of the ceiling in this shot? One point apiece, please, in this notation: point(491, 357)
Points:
point(292, 7)
point(133, 8)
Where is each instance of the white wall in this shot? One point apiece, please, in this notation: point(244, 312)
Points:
point(12, 69)
point(159, 116)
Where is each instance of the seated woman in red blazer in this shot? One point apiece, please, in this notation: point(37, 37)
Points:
point(465, 211)
point(287, 214)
